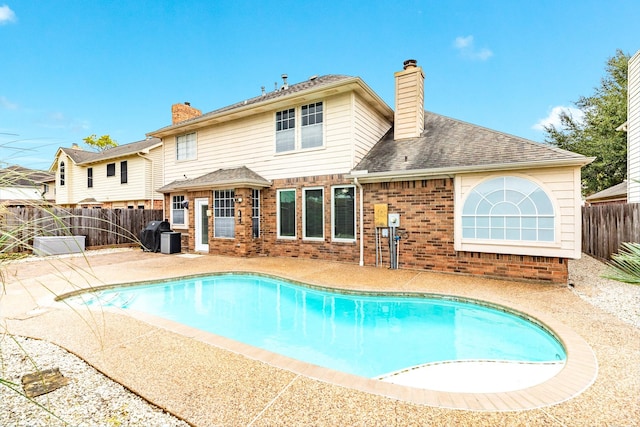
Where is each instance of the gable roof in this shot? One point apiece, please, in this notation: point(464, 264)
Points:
point(324, 85)
point(222, 178)
point(18, 176)
point(450, 146)
point(84, 157)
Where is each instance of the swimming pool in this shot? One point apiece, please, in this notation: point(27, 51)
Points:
point(367, 335)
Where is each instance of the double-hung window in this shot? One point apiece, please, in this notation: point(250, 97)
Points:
point(285, 130)
point(286, 214)
point(305, 133)
point(224, 214)
point(186, 147)
point(343, 221)
point(178, 216)
point(89, 177)
point(313, 213)
point(111, 169)
point(311, 127)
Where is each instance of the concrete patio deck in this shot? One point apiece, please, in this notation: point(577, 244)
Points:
point(209, 380)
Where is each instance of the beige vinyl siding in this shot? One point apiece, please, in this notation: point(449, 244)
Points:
point(633, 131)
point(409, 113)
point(369, 127)
point(105, 189)
point(64, 194)
point(153, 173)
point(562, 186)
point(109, 189)
point(251, 142)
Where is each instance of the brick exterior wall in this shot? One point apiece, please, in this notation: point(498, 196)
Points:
point(427, 232)
point(426, 211)
point(298, 247)
point(182, 112)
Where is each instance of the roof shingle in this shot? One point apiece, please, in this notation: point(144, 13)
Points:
point(233, 177)
point(448, 144)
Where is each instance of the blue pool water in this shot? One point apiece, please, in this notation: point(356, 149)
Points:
point(365, 335)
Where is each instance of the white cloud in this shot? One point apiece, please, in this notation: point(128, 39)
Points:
point(463, 42)
point(6, 15)
point(6, 104)
point(554, 117)
point(467, 49)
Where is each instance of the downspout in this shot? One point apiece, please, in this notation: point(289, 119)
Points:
point(152, 176)
point(355, 181)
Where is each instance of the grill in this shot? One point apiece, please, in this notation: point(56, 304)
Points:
point(150, 235)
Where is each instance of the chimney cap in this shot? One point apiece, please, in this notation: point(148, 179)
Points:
point(409, 63)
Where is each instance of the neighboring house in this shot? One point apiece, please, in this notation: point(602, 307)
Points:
point(324, 169)
point(21, 186)
point(122, 177)
point(633, 130)
point(612, 195)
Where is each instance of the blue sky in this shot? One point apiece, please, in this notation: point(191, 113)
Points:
point(69, 69)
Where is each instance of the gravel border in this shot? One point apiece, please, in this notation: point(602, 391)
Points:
point(619, 299)
point(91, 399)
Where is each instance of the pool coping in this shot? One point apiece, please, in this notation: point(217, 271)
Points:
point(580, 370)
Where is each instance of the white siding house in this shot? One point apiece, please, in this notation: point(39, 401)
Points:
point(633, 130)
point(121, 177)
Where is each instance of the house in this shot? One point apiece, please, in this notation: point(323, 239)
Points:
point(325, 169)
point(122, 177)
point(633, 129)
point(612, 195)
point(21, 186)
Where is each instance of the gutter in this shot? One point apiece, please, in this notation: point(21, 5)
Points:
point(355, 181)
point(152, 177)
point(416, 174)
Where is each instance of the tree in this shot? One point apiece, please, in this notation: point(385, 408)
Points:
point(100, 144)
point(596, 135)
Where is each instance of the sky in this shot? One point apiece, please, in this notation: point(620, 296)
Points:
point(70, 69)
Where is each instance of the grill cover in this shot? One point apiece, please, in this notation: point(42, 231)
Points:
point(150, 235)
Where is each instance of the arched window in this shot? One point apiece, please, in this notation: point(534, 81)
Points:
point(508, 208)
point(61, 173)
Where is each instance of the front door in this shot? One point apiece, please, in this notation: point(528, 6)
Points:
point(202, 225)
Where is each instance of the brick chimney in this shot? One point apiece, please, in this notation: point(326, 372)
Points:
point(182, 112)
point(409, 113)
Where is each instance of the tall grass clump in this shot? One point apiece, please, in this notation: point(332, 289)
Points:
point(23, 219)
point(625, 265)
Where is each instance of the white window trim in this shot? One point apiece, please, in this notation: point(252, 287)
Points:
point(185, 210)
point(297, 144)
point(333, 214)
point(195, 150)
point(232, 217)
point(304, 215)
point(259, 208)
point(295, 235)
point(511, 247)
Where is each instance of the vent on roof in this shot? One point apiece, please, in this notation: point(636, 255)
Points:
point(285, 85)
point(312, 78)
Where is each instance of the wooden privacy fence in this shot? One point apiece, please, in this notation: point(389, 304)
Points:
point(101, 227)
point(605, 227)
